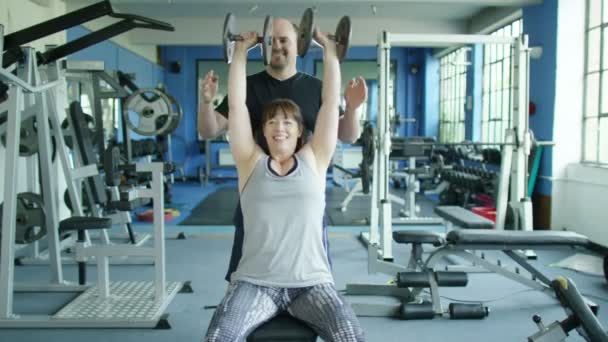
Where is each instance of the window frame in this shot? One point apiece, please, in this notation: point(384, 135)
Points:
point(452, 96)
point(599, 113)
point(497, 92)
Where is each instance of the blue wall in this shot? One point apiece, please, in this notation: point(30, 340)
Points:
point(430, 120)
point(540, 24)
point(183, 86)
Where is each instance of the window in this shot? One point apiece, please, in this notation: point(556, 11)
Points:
point(595, 112)
point(496, 94)
point(452, 95)
point(369, 71)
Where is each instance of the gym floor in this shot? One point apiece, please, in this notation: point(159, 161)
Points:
point(202, 258)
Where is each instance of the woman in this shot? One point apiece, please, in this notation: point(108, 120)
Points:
point(284, 266)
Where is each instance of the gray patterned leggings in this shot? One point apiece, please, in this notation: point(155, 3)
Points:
point(247, 306)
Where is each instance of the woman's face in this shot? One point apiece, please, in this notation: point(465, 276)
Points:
point(282, 133)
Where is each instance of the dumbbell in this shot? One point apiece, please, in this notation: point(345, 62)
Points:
point(3, 91)
point(229, 36)
point(341, 36)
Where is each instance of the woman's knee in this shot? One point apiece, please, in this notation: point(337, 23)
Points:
point(223, 332)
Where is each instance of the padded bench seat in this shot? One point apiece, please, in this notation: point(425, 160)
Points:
point(419, 236)
point(283, 327)
point(505, 238)
point(84, 223)
point(463, 218)
point(516, 238)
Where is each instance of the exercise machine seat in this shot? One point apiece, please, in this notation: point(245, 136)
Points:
point(283, 327)
point(463, 218)
point(419, 236)
point(84, 223)
point(516, 238)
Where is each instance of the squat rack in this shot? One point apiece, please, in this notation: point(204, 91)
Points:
point(109, 304)
point(516, 147)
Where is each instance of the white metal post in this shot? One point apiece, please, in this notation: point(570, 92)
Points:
point(373, 220)
point(9, 206)
point(519, 168)
point(47, 174)
point(384, 145)
point(502, 198)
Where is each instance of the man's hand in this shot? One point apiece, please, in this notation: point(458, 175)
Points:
point(355, 93)
point(207, 87)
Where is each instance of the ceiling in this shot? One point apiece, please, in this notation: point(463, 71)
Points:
point(404, 9)
point(200, 21)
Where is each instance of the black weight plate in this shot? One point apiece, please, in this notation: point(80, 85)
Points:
point(267, 40)
point(29, 215)
point(68, 134)
point(343, 33)
point(28, 139)
point(3, 91)
point(606, 267)
point(307, 24)
point(229, 29)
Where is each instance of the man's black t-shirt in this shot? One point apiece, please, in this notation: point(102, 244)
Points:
point(262, 88)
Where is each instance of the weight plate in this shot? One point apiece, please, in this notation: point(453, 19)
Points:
point(229, 29)
point(343, 33)
point(68, 134)
point(606, 267)
point(307, 23)
point(28, 139)
point(30, 220)
point(267, 40)
point(146, 117)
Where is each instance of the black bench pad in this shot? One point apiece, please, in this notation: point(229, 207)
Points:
point(283, 327)
point(419, 236)
point(85, 223)
point(516, 238)
point(463, 218)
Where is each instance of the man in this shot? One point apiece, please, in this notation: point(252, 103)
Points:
point(279, 80)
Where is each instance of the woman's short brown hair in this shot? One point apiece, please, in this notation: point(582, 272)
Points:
point(285, 107)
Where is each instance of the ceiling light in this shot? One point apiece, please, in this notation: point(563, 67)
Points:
point(253, 8)
point(374, 9)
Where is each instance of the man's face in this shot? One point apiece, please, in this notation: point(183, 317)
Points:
point(284, 44)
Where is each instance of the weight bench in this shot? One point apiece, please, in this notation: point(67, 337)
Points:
point(422, 273)
point(463, 218)
point(463, 242)
point(283, 327)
